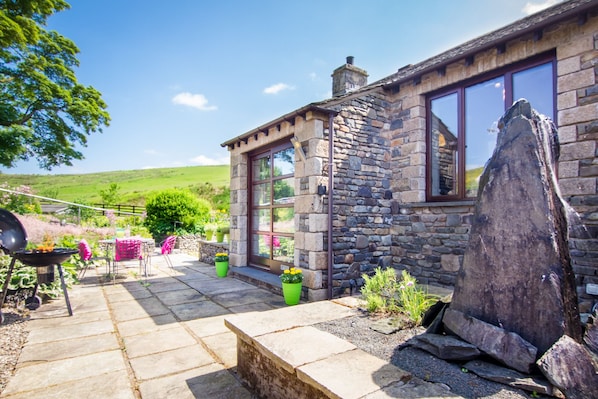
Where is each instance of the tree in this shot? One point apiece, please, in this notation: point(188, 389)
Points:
point(110, 195)
point(44, 112)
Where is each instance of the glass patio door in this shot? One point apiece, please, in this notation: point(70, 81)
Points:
point(272, 198)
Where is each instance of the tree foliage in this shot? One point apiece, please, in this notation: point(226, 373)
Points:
point(45, 114)
point(174, 209)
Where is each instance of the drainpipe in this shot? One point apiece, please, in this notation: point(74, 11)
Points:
point(330, 196)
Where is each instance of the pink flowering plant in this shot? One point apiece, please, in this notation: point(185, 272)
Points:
point(292, 276)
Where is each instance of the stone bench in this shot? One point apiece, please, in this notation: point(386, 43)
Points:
point(281, 355)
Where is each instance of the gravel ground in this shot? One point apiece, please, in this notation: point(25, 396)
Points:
point(13, 333)
point(357, 330)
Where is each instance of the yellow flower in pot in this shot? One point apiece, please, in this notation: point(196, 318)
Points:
point(221, 263)
point(292, 280)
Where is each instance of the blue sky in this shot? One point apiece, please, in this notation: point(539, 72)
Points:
point(181, 77)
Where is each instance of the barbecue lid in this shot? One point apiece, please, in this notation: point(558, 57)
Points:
point(12, 233)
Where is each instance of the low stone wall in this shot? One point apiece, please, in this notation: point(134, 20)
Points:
point(208, 249)
point(188, 243)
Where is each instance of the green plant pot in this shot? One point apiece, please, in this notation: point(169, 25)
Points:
point(291, 293)
point(221, 269)
point(219, 236)
point(209, 234)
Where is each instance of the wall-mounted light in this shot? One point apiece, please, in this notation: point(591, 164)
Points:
point(298, 148)
point(321, 189)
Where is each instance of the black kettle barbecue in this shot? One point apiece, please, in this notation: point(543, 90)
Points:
point(13, 241)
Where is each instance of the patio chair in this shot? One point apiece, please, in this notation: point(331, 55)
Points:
point(129, 249)
point(88, 259)
point(167, 246)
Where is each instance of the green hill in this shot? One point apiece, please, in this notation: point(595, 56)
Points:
point(134, 185)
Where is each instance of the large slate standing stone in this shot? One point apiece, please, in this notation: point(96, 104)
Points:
point(516, 271)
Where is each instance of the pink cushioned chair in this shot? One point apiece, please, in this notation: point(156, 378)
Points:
point(128, 249)
point(88, 259)
point(167, 247)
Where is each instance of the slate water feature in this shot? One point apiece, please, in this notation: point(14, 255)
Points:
point(515, 296)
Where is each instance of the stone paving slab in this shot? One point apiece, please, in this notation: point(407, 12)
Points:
point(65, 332)
point(242, 297)
point(224, 346)
point(248, 325)
point(215, 286)
point(169, 362)
point(207, 326)
point(166, 284)
point(56, 350)
point(197, 310)
point(209, 382)
point(47, 374)
point(113, 385)
point(251, 307)
point(130, 310)
point(281, 345)
point(179, 296)
point(159, 341)
point(351, 375)
point(65, 320)
point(147, 325)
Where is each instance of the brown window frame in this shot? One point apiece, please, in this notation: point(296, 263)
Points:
point(459, 89)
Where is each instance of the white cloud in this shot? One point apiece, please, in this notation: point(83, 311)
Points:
point(277, 88)
point(150, 151)
point(205, 161)
point(313, 76)
point(531, 8)
point(198, 101)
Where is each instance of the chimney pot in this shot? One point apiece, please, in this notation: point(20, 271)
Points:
point(350, 60)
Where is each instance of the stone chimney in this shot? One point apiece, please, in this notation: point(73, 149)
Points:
point(348, 78)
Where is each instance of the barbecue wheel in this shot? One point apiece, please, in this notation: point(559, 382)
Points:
point(33, 302)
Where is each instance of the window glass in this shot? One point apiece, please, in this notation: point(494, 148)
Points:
point(444, 158)
point(261, 168)
point(261, 245)
point(284, 162)
point(484, 105)
point(283, 249)
point(284, 191)
point(261, 219)
point(536, 86)
point(284, 220)
point(463, 125)
point(261, 194)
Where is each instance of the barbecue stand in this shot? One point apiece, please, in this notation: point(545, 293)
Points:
point(13, 241)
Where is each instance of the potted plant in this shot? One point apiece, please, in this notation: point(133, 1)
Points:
point(219, 234)
point(292, 280)
point(209, 229)
point(221, 262)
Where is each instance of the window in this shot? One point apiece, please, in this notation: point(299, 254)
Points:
point(272, 217)
point(463, 125)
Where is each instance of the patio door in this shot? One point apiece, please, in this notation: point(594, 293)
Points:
point(272, 216)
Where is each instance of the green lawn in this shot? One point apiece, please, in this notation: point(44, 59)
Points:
point(134, 185)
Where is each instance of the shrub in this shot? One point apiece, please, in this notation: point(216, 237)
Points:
point(379, 291)
point(174, 209)
point(383, 293)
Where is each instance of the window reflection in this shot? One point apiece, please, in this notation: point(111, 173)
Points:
point(284, 220)
point(484, 105)
point(261, 194)
point(284, 191)
point(261, 219)
point(444, 145)
point(261, 168)
point(284, 162)
point(536, 85)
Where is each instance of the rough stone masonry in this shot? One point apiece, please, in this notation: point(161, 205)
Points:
point(516, 271)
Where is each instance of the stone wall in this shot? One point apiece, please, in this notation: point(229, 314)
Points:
point(362, 197)
point(209, 249)
point(188, 244)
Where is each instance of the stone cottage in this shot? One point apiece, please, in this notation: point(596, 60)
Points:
point(386, 173)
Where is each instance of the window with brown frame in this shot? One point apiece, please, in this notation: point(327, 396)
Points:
point(462, 124)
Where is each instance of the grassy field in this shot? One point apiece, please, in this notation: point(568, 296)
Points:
point(134, 185)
